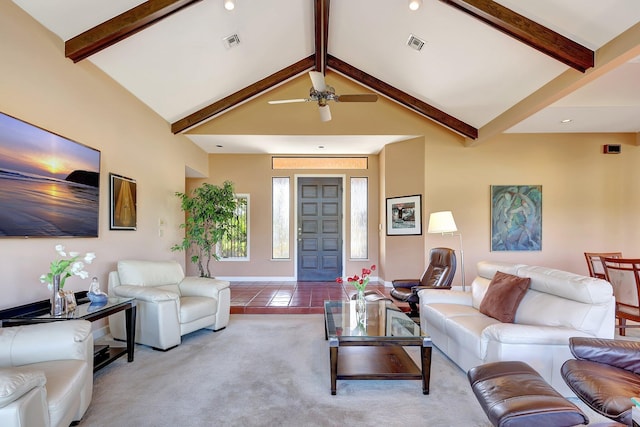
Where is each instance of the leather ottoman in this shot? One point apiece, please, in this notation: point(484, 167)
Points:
point(514, 394)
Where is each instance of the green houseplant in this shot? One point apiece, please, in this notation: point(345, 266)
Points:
point(209, 214)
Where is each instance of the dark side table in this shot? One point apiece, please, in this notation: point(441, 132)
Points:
point(103, 355)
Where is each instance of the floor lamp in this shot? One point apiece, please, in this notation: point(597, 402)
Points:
point(443, 223)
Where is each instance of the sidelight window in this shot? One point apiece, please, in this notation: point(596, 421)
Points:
point(359, 218)
point(280, 218)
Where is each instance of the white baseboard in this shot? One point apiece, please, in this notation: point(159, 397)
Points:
point(256, 279)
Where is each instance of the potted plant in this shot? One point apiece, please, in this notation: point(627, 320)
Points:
point(209, 214)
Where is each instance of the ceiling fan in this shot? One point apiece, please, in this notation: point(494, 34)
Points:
point(321, 92)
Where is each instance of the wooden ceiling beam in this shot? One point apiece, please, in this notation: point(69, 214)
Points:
point(321, 20)
point(529, 32)
point(122, 26)
point(402, 97)
point(243, 94)
point(622, 49)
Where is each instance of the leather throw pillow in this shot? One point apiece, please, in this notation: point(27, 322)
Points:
point(503, 296)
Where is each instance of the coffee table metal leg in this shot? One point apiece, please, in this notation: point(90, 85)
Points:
point(130, 320)
point(425, 355)
point(333, 358)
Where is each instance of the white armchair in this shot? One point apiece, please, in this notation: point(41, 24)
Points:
point(46, 373)
point(169, 305)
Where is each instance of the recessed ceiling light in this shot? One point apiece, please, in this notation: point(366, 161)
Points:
point(218, 146)
point(565, 121)
point(229, 4)
point(321, 146)
point(415, 4)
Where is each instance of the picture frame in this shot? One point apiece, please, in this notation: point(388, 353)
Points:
point(404, 215)
point(49, 184)
point(70, 299)
point(516, 218)
point(399, 325)
point(123, 202)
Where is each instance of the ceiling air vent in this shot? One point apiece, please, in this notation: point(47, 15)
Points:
point(415, 43)
point(231, 41)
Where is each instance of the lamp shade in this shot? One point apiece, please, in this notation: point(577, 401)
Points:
point(442, 222)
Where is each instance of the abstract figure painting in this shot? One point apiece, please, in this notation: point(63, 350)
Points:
point(516, 217)
point(123, 202)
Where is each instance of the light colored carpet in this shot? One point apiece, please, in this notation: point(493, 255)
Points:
point(270, 370)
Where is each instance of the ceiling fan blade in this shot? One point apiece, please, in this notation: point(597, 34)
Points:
point(325, 113)
point(288, 101)
point(365, 97)
point(317, 80)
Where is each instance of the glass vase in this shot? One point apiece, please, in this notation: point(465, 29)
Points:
point(361, 308)
point(58, 302)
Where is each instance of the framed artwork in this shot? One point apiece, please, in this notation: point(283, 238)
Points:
point(516, 217)
point(70, 298)
point(49, 184)
point(399, 325)
point(404, 215)
point(123, 210)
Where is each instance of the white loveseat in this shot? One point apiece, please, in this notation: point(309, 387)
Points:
point(46, 373)
point(169, 305)
point(557, 305)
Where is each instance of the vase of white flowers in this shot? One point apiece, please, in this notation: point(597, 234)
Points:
point(68, 265)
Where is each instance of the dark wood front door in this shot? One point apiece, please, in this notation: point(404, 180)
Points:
point(319, 229)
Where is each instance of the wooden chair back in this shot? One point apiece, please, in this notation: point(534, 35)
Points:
point(594, 263)
point(624, 276)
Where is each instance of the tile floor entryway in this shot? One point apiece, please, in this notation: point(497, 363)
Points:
point(293, 297)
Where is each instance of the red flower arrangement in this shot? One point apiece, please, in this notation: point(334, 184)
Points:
point(361, 282)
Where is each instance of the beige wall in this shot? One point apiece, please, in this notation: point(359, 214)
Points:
point(404, 175)
point(589, 200)
point(40, 86)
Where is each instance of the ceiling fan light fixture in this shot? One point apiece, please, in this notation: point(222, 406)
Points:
point(415, 4)
point(229, 4)
point(321, 93)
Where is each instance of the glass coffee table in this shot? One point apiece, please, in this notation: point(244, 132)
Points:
point(371, 346)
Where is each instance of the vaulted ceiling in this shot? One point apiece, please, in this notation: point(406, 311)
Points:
point(484, 67)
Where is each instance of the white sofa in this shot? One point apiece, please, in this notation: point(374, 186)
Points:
point(46, 373)
point(169, 305)
point(557, 305)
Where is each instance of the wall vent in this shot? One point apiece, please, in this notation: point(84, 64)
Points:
point(612, 149)
point(415, 43)
point(231, 41)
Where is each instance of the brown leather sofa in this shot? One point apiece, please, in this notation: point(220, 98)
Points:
point(604, 375)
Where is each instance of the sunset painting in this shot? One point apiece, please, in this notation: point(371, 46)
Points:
point(49, 185)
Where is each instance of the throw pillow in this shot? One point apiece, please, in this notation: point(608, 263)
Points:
point(503, 296)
